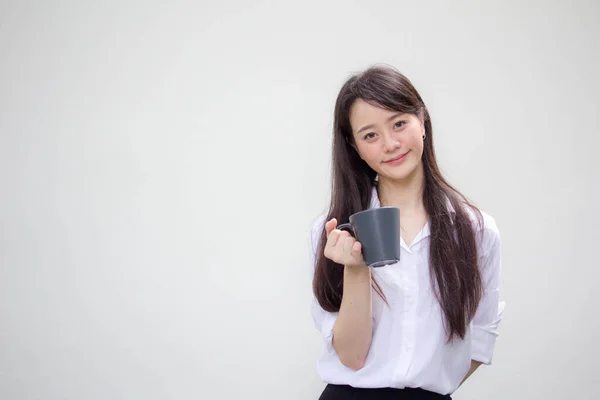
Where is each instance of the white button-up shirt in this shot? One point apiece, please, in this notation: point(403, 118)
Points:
point(408, 347)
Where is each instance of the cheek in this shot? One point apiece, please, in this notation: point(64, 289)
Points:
point(368, 153)
point(416, 141)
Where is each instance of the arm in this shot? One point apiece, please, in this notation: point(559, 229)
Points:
point(474, 366)
point(487, 319)
point(353, 329)
point(352, 324)
point(488, 316)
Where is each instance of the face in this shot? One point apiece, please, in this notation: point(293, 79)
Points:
point(391, 143)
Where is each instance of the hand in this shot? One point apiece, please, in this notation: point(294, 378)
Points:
point(341, 247)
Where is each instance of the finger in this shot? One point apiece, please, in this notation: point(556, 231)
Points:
point(342, 239)
point(357, 250)
point(330, 225)
point(333, 237)
point(348, 243)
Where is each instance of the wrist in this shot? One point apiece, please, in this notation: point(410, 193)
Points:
point(357, 270)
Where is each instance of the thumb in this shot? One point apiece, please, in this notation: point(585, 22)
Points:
point(330, 225)
point(357, 251)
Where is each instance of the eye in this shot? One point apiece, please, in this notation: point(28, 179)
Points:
point(369, 136)
point(399, 124)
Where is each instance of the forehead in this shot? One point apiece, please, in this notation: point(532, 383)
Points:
point(362, 113)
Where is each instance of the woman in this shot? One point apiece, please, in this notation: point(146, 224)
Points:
point(418, 328)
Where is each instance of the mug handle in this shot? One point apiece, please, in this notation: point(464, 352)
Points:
point(347, 227)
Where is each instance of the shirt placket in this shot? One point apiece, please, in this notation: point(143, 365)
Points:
point(408, 320)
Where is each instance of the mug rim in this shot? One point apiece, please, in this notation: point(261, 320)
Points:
point(374, 209)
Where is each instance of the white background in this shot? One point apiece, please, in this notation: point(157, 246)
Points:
point(161, 164)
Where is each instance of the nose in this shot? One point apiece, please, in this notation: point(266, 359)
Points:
point(390, 144)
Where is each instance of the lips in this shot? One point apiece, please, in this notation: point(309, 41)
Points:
point(397, 159)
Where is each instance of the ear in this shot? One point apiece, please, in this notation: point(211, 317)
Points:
point(422, 121)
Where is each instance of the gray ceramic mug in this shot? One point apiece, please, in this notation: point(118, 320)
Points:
point(378, 231)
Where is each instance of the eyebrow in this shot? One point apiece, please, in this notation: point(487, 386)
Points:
point(364, 128)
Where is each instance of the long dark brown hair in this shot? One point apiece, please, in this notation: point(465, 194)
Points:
point(453, 257)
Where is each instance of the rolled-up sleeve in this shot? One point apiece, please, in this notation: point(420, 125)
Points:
point(487, 319)
point(323, 320)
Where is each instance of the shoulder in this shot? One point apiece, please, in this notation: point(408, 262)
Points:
point(316, 230)
point(486, 230)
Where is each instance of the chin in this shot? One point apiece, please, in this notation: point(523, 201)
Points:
point(396, 177)
point(399, 173)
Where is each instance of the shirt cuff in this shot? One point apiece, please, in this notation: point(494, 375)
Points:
point(482, 347)
point(484, 339)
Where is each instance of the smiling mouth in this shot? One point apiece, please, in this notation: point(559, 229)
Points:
point(396, 159)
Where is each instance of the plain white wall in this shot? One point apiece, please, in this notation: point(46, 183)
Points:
point(161, 163)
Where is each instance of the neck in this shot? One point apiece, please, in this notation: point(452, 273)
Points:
point(406, 194)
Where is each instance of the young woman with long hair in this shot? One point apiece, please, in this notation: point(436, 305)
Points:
point(418, 328)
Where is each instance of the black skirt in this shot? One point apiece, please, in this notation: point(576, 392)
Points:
point(345, 392)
